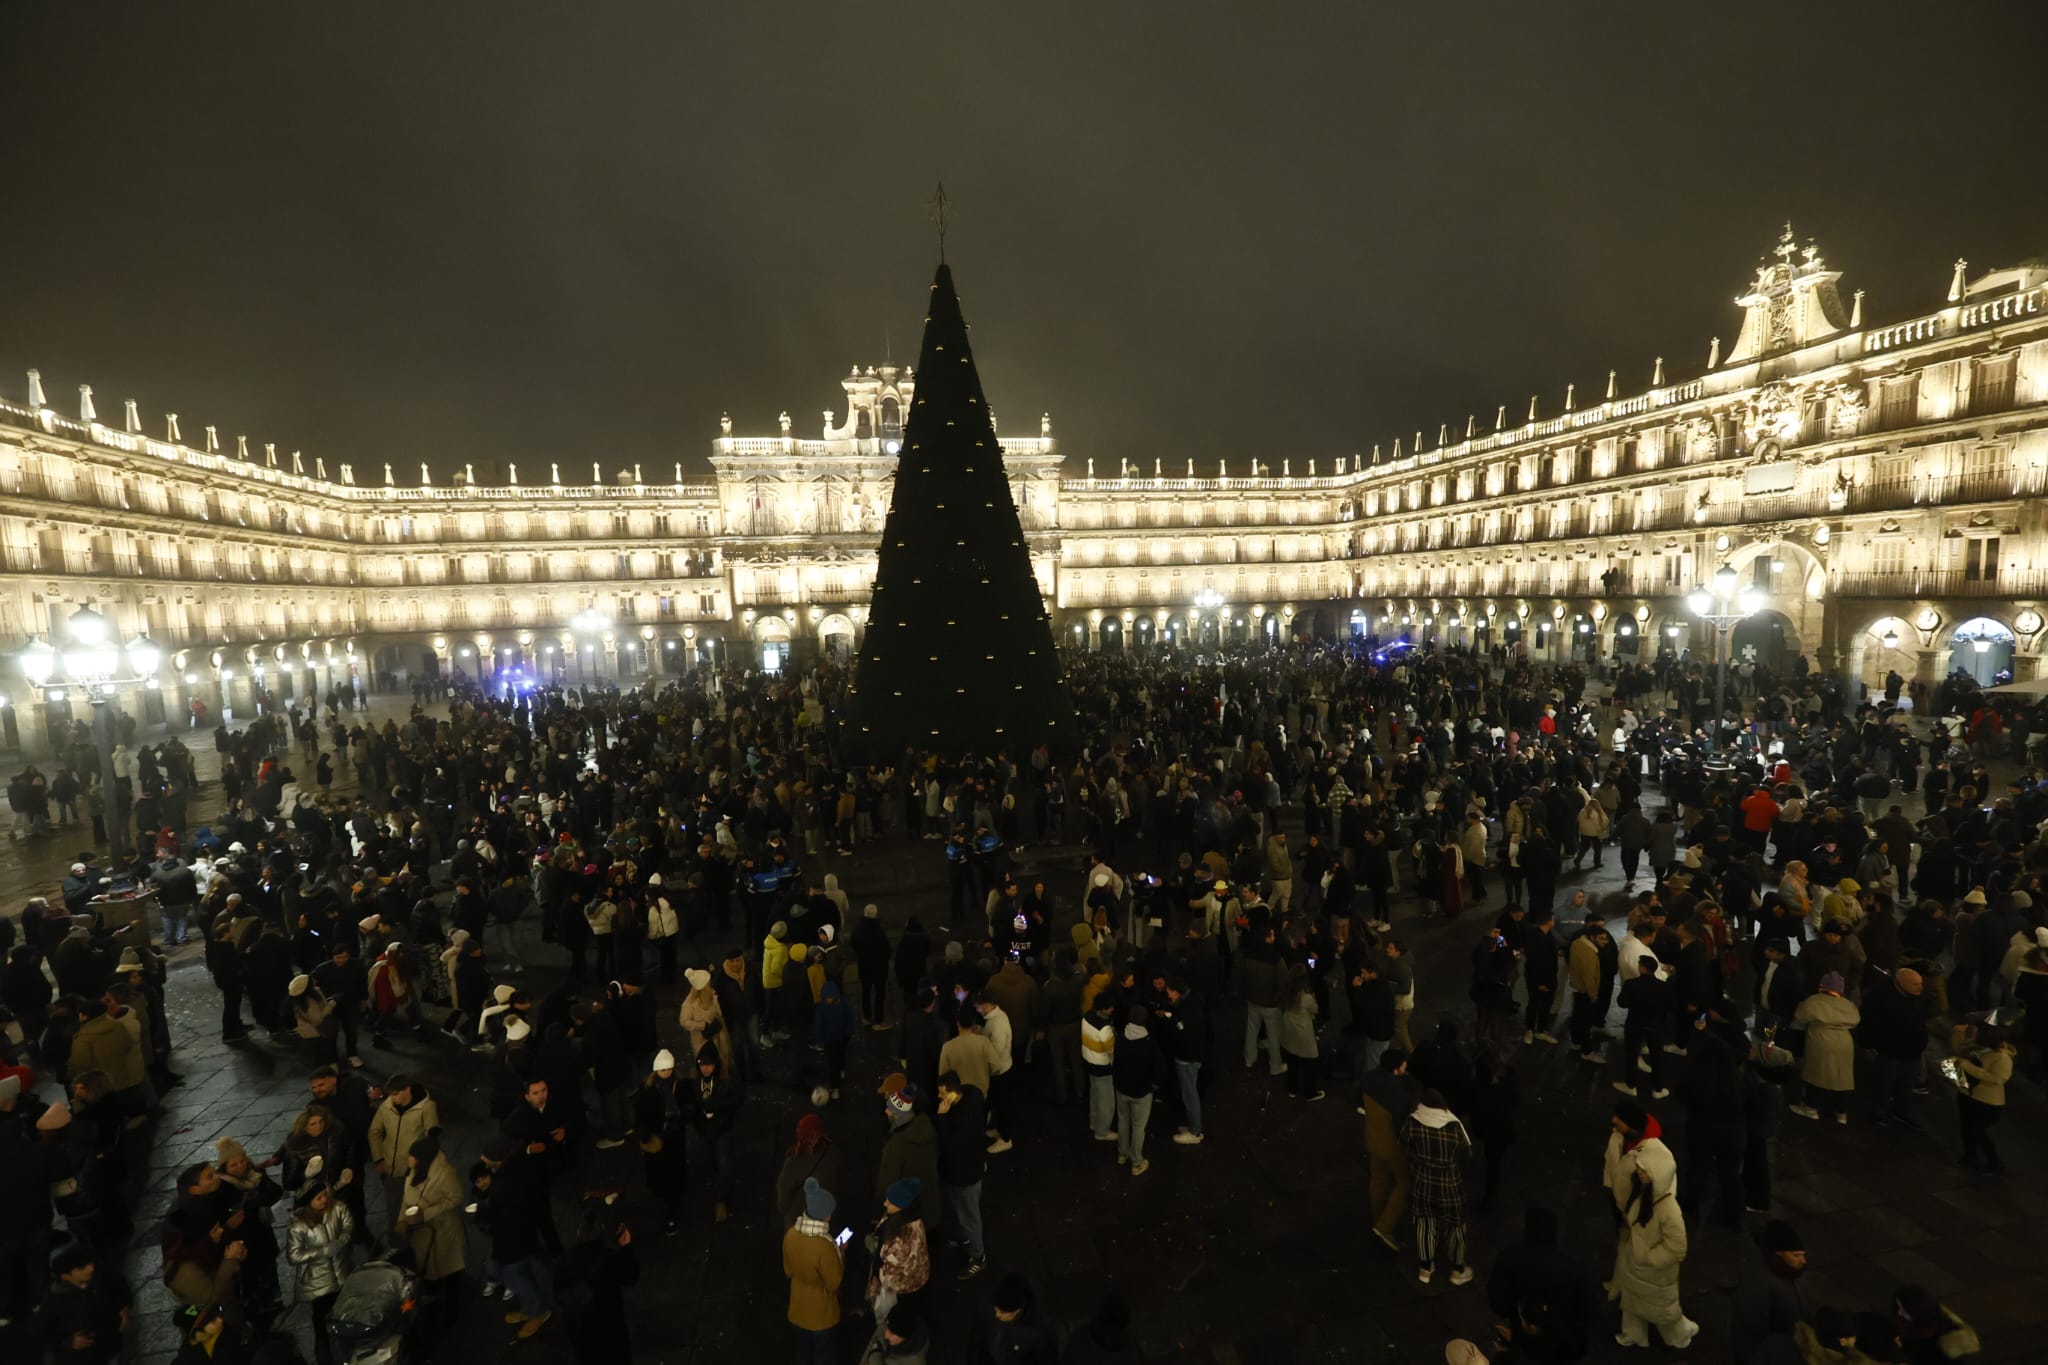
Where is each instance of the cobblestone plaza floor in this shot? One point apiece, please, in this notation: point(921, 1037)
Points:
point(1250, 1248)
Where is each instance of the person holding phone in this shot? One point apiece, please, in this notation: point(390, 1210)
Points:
point(815, 1262)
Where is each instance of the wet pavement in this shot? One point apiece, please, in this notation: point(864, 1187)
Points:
point(1250, 1248)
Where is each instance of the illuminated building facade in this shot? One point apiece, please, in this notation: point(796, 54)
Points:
point(1878, 490)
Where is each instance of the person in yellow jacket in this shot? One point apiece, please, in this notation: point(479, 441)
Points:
point(774, 957)
point(815, 1265)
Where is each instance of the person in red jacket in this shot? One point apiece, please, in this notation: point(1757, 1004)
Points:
point(1759, 814)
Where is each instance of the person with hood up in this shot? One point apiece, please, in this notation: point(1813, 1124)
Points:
point(815, 1266)
point(714, 1109)
point(871, 955)
point(1828, 1064)
point(1653, 1248)
point(319, 1245)
point(699, 1008)
point(1137, 1070)
point(1436, 1146)
point(430, 1220)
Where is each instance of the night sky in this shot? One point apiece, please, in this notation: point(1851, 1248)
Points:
point(532, 232)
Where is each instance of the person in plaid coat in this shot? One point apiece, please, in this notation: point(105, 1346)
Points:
point(1436, 1145)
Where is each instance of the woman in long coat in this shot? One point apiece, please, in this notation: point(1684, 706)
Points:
point(662, 1121)
point(1652, 1250)
point(431, 1222)
point(1437, 1145)
point(1828, 1065)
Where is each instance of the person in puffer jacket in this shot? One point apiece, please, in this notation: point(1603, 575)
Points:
point(318, 1246)
point(1098, 1059)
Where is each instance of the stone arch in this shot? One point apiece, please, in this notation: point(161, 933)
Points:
point(1982, 647)
point(1889, 643)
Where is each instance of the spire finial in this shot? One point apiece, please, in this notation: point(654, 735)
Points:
point(131, 416)
point(1787, 245)
point(1532, 407)
point(36, 399)
point(1500, 417)
point(1571, 397)
point(1955, 286)
point(298, 463)
point(212, 440)
point(1856, 310)
point(1471, 421)
point(940, 207)
point(1657, 376)
point(87, 413)
point(1610, 386)
point(171, 428)
point(1714, 354)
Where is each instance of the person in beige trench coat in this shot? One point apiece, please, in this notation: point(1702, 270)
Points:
point(430, 1219)
point(1828, 1066)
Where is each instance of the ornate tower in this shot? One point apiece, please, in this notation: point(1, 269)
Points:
point(958, 656)
point(1792, 302)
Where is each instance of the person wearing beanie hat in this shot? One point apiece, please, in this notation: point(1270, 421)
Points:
point(1827, 1068)
point(902, 1264)
point(911, 1147)
point(430, 1218)
point(661, 1123)
point(714, 1109)
point(815, 1266)
point(703, 1018)
point(518, 1031)
point(1769, 1300)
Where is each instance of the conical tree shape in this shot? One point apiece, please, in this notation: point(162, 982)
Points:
point(958, 656)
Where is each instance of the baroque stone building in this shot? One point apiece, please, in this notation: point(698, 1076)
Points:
point(1880, 487)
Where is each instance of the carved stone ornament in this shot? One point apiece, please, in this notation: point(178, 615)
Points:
point(1845, 408)
point(1701, 438)
point(1774, 413)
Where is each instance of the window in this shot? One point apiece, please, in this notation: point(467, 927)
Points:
point(1901, 402)
point(1888, 556)
point(707, 603)
point(1980, 559)
point(1992, 384)
point(622, 524)
point(622, 565)
point(661, 524)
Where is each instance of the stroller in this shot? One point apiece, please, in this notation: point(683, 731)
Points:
point(375, 1315)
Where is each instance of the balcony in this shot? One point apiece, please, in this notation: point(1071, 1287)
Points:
point(1942, 583)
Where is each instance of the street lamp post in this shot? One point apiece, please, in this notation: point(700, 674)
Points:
point(1723, 607)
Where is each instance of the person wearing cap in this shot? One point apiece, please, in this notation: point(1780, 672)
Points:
point(815, 1265)
point(1769, 1300)
point(1827, 1068)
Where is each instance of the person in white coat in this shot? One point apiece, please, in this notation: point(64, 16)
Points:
point(1653, 1248)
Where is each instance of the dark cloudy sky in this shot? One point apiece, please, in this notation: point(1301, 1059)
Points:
point(522, 231)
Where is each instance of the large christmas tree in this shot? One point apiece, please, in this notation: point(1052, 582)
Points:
point(959, 655)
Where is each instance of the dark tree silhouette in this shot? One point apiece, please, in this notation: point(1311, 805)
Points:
point(958, 656)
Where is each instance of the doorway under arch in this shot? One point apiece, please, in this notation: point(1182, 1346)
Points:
point(1982, 648)
point(1887, 648)
point(1768, 639)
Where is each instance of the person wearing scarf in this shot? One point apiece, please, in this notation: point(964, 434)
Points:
point(1653, 1248)
point(1436, 1146)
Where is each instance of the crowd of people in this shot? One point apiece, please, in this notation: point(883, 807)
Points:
point(521, 878)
